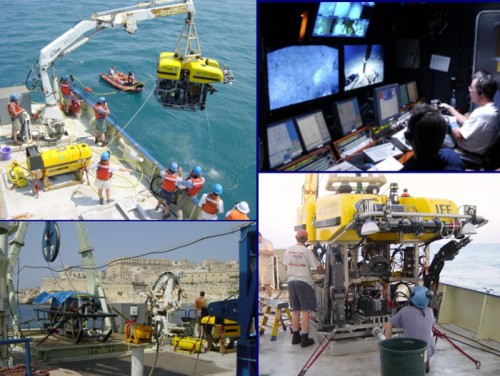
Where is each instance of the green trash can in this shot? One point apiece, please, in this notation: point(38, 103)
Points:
point(402, 357)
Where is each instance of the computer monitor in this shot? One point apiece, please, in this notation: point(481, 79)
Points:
point(313, 130)
point(403, 95)
point(297, 74)
point(348, 115)
point(363, 65)
point(386, 102)
point(412, 91)
point(343, 19)
point(283, 143)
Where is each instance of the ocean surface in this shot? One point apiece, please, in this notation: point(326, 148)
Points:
point(221, 139)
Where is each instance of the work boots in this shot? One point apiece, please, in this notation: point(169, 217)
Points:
point(296, 338)
point(306, 341)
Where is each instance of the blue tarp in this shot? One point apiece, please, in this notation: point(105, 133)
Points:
point(58, 296)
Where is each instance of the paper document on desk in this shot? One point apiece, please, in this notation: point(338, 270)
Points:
point(389, 164)
point(380, 152)
point(344, 166)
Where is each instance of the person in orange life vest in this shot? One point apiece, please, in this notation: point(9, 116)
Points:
point(15, 110)
point(238, 212)
point(189, 189)
point(130, 79)
point(101, 111)
point(67, 92)
point(211, 204)
point(171, 179)
point(103, 176)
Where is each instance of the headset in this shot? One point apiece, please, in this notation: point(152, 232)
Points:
point(429, 294)
point(481, 82)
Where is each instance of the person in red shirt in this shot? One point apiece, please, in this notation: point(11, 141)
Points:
point(15, 111)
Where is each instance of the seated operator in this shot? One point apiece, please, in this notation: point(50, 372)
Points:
point(476, 132)
point(426, 132)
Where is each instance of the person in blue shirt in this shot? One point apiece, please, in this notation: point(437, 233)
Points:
point(426, 132)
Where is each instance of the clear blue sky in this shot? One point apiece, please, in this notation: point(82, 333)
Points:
point(117, 239)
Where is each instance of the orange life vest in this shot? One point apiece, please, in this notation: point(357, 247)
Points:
point(103, 171)
point(211, 204)
point(99, 116)
point(169, 182)
point(65, 88)
point(236, 215)
point(197, 186)
point(14, 109)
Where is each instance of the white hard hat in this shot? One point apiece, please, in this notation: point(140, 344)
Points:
point(242, 206)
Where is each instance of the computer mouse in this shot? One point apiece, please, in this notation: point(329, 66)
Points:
point(367, 166)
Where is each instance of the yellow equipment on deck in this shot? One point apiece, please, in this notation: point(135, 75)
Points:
point(188, 344)
point(17, 176)
point(137, 333)
point(71, 158)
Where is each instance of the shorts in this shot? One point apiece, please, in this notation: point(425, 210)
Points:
point(301, 296)
point(16, 125)
point(100, 125)
point(106, 184)
point(167, 196)
point(265, 274)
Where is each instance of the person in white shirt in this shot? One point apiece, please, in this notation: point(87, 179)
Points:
point(477, 131)
point(266, 253)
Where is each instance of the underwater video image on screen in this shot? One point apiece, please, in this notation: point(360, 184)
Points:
point(298, 74)
point(342, 19)
point(363, 65)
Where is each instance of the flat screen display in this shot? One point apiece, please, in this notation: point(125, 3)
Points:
point(363, 65)
point(386, 101)
point(412, 91)
point(348, 115)
point(403, 95)
point(313, 129)
point(283, 143)
point(298, 74)
point(343, 19)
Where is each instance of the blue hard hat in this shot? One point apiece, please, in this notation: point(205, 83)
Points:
point(420, 296)
point(217, 189)
point(105, 156)
point(173, 167)
point(101, 99)
point(14, 97)
point(197, 170)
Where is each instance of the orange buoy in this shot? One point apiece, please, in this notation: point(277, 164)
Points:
point(88, 89)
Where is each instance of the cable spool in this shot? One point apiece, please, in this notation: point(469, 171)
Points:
point(137, 333)
point(51, 241)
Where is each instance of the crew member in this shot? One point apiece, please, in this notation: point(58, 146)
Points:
point(101, 112)
point(15, 110)
point(266, 253)
point(416, 320)
point(189, 189)
point(67, 94)
point(238, 212)
point(171, 179)
point(476, 132)
point(200, 310)
point(211, 204)
point(103, 175)
point(299, 260)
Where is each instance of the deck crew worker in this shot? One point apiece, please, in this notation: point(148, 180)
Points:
point(67, 94)
point(299, 260)
point(189, 189)
point(476, 132)
point(15, 110)
point(200, 310)
point(103, 175)
point(211, 204)
point(238, 212)
point(101, 112)
point(171, 179)
point(266, 253)
point(416, 320)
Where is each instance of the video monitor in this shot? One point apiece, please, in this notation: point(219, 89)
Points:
point(412, 91)
point(283, 143)
point(348, 115)
point(313, 129)
point(363, 65)
point(343, 19)
point(386, 102)
point(298, 74)
point(403, 96)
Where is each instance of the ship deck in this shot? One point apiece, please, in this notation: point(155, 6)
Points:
point(63, 196)
point(361, 356)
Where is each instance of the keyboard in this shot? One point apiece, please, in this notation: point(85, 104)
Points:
point(320, 161)
point(380, 152)
point(354, 147)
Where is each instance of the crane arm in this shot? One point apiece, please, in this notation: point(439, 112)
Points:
point(83, 31)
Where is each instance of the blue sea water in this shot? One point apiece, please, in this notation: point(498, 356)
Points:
point(222, 139)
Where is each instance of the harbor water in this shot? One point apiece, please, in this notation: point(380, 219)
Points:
point(221, 139)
